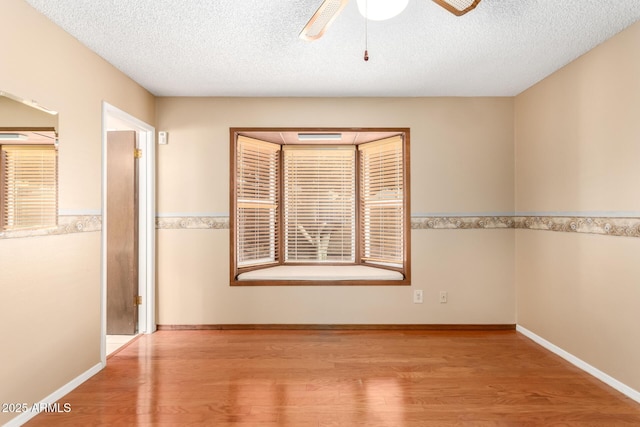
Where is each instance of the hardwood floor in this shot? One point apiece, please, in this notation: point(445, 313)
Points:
point(341, 378)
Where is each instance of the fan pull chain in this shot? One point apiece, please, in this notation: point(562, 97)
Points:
point(366, 32)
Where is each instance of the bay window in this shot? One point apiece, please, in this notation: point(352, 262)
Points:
point(319, 203)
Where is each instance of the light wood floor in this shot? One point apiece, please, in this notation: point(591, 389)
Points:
point(341, 378)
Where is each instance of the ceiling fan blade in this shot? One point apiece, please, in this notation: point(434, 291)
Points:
point(320, 21)
point(458, 7)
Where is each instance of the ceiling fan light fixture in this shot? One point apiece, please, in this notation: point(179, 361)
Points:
point(320, 21)
point(458, 7)
point(380, 10)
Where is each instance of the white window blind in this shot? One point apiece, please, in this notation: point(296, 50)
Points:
point(29, 177)
point(319, 203)
point(382, 204)
point(257, 201)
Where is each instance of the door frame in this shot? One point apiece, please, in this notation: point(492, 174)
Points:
point(146, 223)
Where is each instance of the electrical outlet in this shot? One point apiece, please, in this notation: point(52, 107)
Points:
point(443, 297)
point(417, 296)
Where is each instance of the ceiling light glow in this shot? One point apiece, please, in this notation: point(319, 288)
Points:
point(379, 10)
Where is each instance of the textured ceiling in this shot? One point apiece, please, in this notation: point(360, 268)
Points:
point(251, 47)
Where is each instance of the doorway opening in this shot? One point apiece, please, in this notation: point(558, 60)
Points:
point(116, 121)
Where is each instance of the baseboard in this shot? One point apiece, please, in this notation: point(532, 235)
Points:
point(56, 395)
point(605, 378)
point(336, 327)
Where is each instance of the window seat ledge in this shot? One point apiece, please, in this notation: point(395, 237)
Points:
point(321, 272)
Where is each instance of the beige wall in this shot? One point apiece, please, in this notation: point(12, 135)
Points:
point(16, 114)
point(577, 133)
point(577, 150)
point(50, 305)
point(461, 161)
point(49, 313)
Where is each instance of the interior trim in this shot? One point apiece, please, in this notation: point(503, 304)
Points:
point(146, 221)
point(605, 378)
point(340, 327)
point(67, 224)
point(55, 397)
point(628, 226)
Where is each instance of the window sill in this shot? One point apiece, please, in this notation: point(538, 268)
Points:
point(287, 275)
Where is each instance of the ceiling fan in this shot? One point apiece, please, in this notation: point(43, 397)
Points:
point(330, 9)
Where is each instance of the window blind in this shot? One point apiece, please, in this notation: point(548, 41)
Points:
point(319, 203)
point(257, 201)
point(382, 204)
point(29, 186)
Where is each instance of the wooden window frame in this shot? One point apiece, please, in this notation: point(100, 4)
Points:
point(235, 270)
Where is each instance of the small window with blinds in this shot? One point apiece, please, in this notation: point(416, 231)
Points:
point(382, 202)
point(257, 177)
point(339, 199)
point(28, 186)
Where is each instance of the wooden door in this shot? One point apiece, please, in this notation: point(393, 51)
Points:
point(122, 233)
